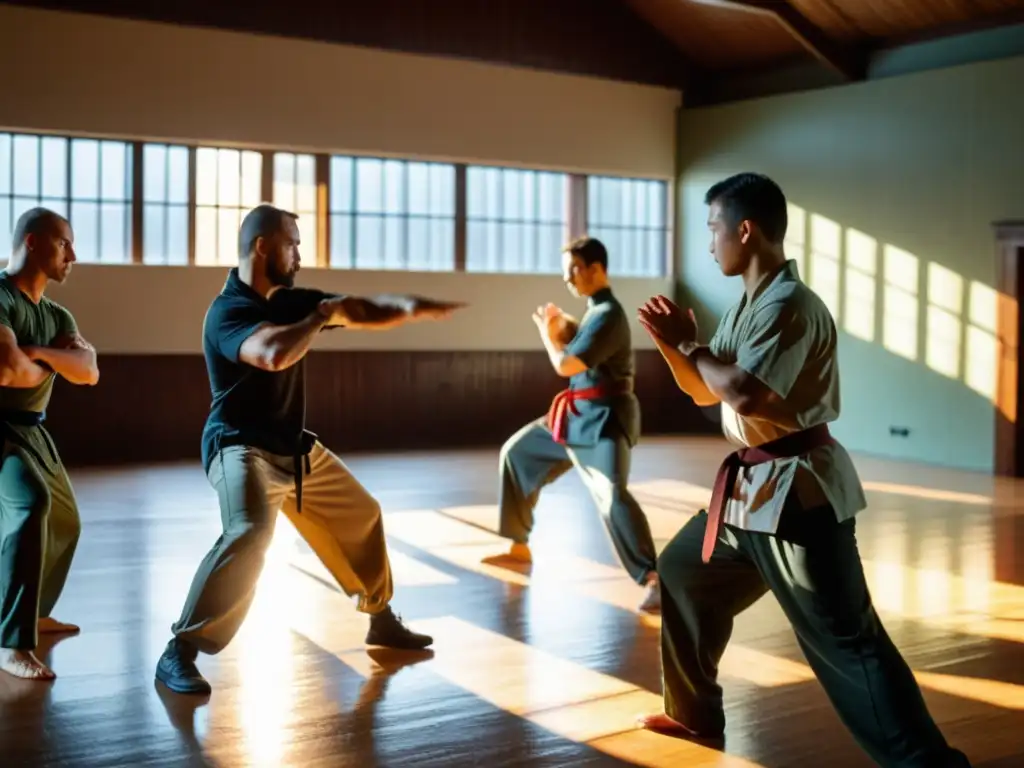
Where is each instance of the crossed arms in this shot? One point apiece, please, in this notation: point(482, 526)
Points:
point(71, 356)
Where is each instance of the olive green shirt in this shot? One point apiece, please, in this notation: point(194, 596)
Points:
point(37, 325)
point(785, 336)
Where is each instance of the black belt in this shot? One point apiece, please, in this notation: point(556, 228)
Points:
point(300, 458)
point(22, 418)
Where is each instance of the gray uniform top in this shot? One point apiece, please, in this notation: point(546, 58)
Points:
point(604, 344)
point(786, 338)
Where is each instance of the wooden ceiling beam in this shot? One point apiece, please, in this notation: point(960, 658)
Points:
point(847, 60)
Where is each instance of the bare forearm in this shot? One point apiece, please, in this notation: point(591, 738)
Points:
point(740, 391)
point(686, 374)
point(77, 365)
point(288, 344)
point(376, 313)
point(22, 373)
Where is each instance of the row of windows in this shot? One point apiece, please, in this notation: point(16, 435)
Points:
point(379, 213)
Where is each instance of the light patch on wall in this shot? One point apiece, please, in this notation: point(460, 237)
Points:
point(796, 238)
point(825, 245)
point(944, 320)
point(900, 304)
point(860, 282)
point(988, 311)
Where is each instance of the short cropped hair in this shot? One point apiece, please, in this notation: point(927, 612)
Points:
point(262, 221)
point(752, 197)
point(590, 251)
point(35, 221)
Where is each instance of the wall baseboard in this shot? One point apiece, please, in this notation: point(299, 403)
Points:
point(151, 408)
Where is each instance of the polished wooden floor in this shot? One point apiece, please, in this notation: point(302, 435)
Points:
point(540, 669)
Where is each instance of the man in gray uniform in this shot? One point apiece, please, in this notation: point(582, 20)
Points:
point(593, 425)
point(782, 512)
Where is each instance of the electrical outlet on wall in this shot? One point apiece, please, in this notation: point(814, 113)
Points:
point(899, 431)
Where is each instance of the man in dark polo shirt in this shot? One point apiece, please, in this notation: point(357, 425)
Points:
point(593, 425)
point(259, 457)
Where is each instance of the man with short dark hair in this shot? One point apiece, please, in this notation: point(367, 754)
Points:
point(39, 522)
point(593, 425)
point(782, 513)
point(260, 458)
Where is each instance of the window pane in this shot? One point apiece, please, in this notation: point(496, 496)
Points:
point(307, 234)
point(476, 193)
point(60, 207)
point(55, 167)
point(227, 235)
point(442, 245)
point(114, 233)
point(369, 186)
point(154, 239)
point(6, 225)
point(206, 236)
point(442, 190)
point(26, 166)
point(394, 187)
point(252, 179)
point(512, 195)
point(369, 242)
point(419, 189)
point(229, 177)
point(342, 169)
point(284, 180)
point(5, 164)
point(419, 244)
point(394, 243)
point(177, 235)
point(154, 173)
point(341, 242)
point(305, 184)
point(114, 165)
point(85, 169)
point(206, 176)
point(177, 175)
point(85, 220)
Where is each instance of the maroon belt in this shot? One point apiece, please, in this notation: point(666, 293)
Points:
point(790, 446)
point(565, 401)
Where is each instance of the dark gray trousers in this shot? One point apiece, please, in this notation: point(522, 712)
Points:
point(531, 459)
point(813, 568)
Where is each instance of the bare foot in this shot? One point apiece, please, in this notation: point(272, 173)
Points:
point(24, 664)
point(518, 558)
point(48, 625)
point(651, 602)
point(662, 723)
point(665, 725)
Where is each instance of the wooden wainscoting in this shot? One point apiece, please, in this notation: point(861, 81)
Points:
point(152, 407)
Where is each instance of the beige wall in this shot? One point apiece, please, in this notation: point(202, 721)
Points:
point(917, 167)
point(153, 81)
point(138, 79)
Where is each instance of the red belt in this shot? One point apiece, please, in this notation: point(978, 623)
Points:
point(565, 401)
point(785, 447)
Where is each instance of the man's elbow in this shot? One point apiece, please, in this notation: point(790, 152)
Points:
point(570, 366)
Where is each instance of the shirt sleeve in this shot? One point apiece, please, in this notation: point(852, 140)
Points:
point(599, 337)
point(777, 347)
point(6, 303)
point(230, 325)
point(66, 325)
point(290, 305)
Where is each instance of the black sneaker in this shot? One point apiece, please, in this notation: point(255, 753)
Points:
point(178, 671)
point(387, 629)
